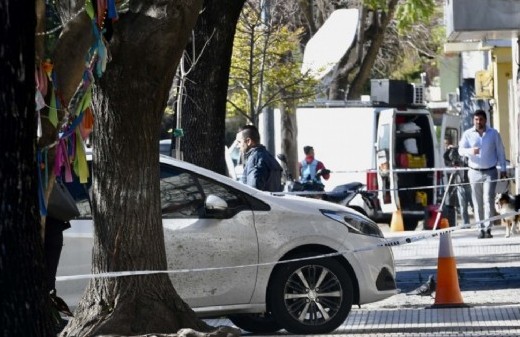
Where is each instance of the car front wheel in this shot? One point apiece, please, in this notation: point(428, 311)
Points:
point(311, 296)
point(256, 323)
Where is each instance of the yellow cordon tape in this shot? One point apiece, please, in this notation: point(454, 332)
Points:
point(387, 243)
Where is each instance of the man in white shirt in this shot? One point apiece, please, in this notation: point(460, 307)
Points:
point(484, 148)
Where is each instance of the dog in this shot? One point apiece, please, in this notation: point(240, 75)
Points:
point(505, 204)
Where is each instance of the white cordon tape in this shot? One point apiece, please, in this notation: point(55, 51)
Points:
point(426, 187)
point(387, 243)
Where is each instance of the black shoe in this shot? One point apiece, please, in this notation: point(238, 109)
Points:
point(482, 234)
point(488, 234)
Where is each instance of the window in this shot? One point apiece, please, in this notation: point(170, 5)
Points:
point(183, 194)
point(383, 140)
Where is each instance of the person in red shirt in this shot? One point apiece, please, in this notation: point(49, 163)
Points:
point(311, 169)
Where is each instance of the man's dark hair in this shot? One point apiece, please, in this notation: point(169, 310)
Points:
point(250, 131)
point(480, 113)
point(307, 149)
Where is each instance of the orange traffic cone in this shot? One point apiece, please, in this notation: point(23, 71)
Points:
point(447, 292)
point(396, 225)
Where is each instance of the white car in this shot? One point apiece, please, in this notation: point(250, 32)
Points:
point(211, 221)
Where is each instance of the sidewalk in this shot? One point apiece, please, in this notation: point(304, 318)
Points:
point(472, 321)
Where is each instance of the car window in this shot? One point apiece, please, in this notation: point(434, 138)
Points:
point(183, 194)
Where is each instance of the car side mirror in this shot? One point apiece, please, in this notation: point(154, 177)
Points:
point(214, 202)
point(215, 206)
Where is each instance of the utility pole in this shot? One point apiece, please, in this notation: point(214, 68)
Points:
point(267, 120)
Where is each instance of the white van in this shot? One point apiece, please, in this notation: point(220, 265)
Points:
point(392, 150)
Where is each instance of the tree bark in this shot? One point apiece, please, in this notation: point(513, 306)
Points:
point(289, 138)
point(356, 87)
point(128, 104)
point(343, 74)
point(204, 106)
point(24, 305)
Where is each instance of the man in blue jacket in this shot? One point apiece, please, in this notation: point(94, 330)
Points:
point(261, 170)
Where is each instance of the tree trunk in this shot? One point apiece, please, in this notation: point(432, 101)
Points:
point(128, 104)
point(204, 106)
point(24, 306)
point(289, 138)
point(376, 41)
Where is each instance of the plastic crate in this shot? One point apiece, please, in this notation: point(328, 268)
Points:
point(407, 160)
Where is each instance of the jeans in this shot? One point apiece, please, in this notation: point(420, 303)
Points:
point(483, 185)
point(464, 199)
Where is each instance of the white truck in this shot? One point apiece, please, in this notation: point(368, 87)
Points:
point(393, 150)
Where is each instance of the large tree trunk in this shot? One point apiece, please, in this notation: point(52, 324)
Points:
point(128, 104)
point(204, 106)
point(24, 306)
point(289, 138)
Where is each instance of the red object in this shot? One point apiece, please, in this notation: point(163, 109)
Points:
point(372, 180)
point(431, 215)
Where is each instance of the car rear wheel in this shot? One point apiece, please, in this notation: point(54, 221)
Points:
point(257, 323)
point(311, 296)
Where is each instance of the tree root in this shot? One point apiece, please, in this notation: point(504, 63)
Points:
point(221, 331)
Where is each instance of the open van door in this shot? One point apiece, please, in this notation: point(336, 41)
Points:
point(450, 134)
point(385, 154)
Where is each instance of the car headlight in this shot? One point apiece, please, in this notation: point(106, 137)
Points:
point(354, 222)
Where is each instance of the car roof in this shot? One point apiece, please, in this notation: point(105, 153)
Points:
point(196, 169)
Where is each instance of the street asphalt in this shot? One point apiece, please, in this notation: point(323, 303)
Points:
point(489, 280)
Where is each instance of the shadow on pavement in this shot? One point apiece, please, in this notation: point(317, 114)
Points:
point(490, 278)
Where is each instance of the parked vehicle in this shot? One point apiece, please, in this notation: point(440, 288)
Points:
point(344, 194)
point(212, 221)
point(388, 149)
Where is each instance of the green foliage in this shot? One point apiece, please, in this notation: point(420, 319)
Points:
point(411, 11)
point(408, 12)
point(265, 67)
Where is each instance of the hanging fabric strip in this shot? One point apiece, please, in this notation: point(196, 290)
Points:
point(85, 101)
point(39, 128)
point(45, 154)
point(41, 79)
point(87, 124)
point(89, 9)
point(80, 161)
point(101, 12)
point(53, 112)
point(112, 10)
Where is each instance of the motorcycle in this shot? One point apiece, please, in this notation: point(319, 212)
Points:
point(352, 194)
